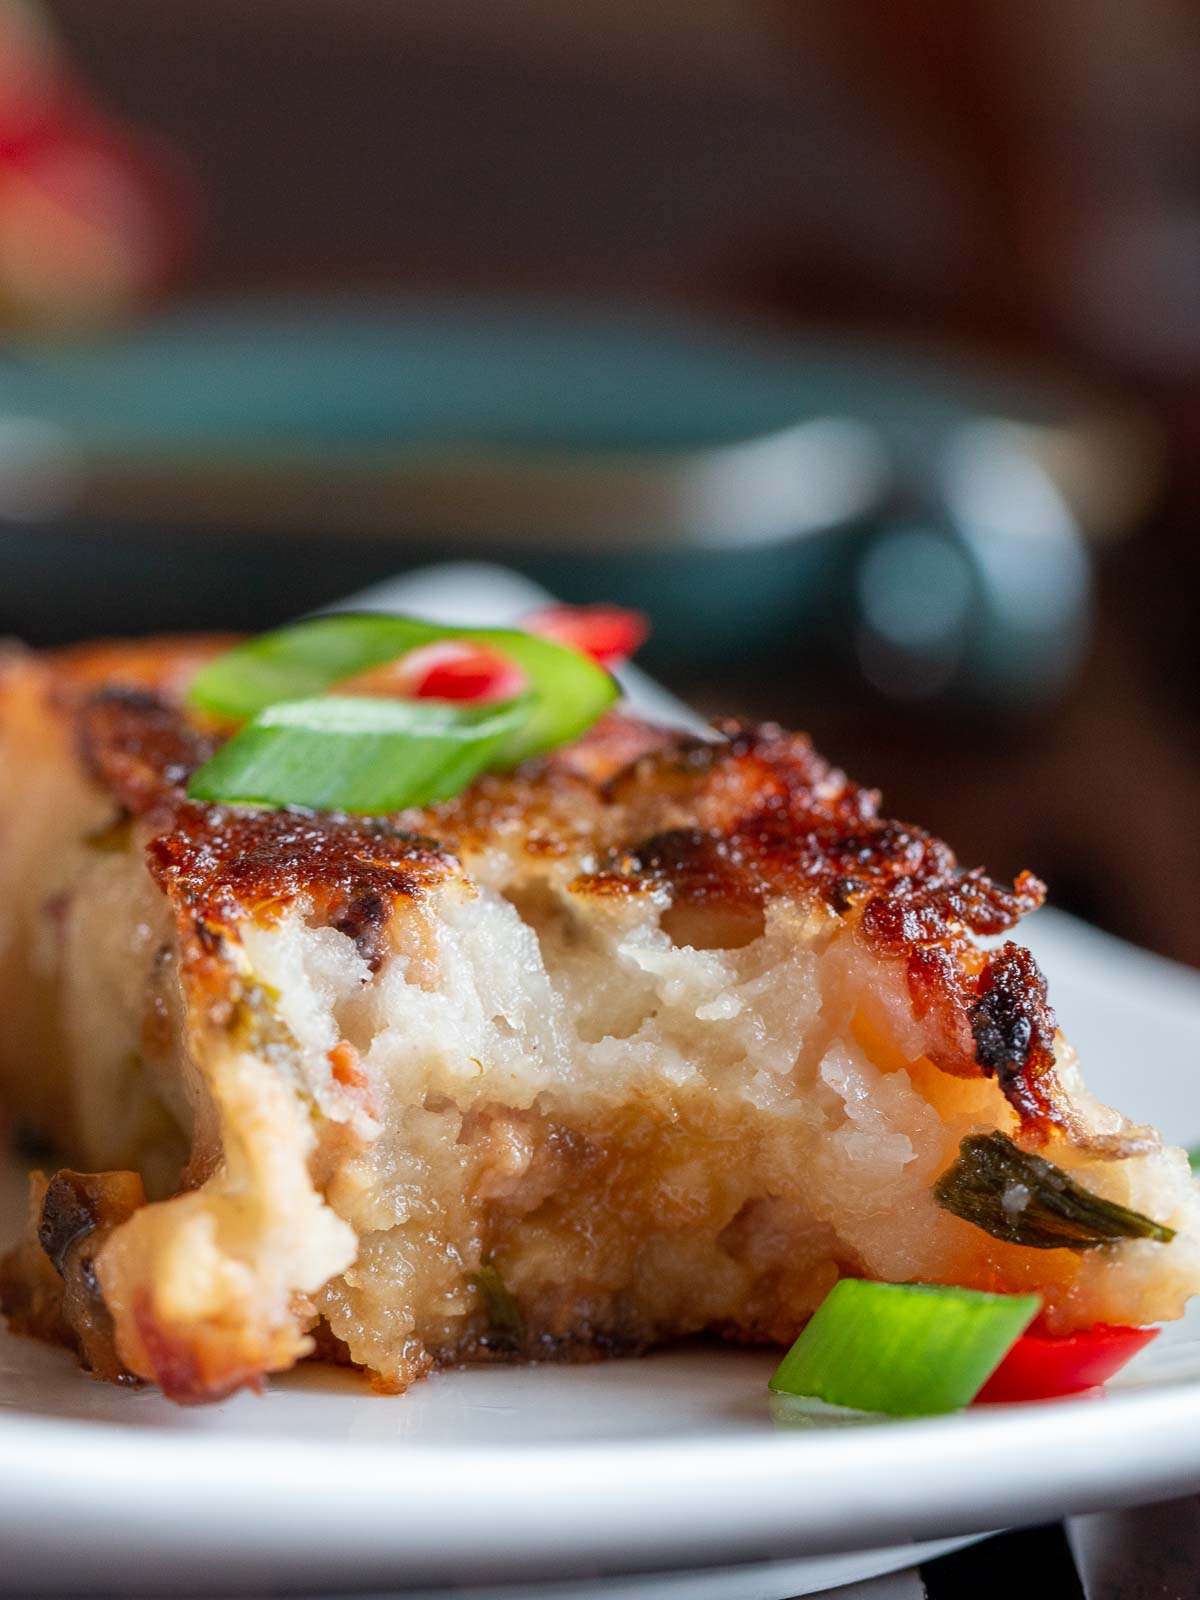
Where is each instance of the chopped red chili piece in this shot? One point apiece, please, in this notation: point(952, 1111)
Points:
point(1042, 1365)
point(461, 672)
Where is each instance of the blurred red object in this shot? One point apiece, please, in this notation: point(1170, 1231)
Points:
point(95, 217)
point(609, 634)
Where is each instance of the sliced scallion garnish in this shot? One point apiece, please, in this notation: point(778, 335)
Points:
point(1024, 1199)
point(906, 1349)
point(506, 1325)
point(358, 755)
point(566, 690)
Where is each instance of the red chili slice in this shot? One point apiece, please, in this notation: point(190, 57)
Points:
point(462, 672)
point(606, 633)
point(1042, 1365)
point(450, 669)
point(455, 669)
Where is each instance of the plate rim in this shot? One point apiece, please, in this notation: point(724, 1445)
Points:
point(561, 1508)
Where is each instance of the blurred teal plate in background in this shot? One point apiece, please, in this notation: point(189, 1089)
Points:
point(375, 390)
point(722, 477)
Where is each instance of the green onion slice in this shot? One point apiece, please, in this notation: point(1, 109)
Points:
point(358, 754)
point(1026, 1200)
point(906, 1349)
point(506, 1325)
point(567, 690)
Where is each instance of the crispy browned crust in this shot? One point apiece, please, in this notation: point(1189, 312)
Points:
point(763, 814)
point(723, 826)
point(218, 865)
point(48, 1287)
point(31, 1291)
point(79, 1212)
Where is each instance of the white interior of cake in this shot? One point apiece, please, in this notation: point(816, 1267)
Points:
point(643, 1138)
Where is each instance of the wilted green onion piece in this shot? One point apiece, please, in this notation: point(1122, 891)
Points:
point(907, 1349)
point(357, 754)
point(566, 690)
point(506, 1325)
point(1026, 1200)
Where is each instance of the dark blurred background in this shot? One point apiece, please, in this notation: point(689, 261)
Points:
point(970, 231)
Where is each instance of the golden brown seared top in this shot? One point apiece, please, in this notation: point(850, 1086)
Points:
point(222, 864)
point(763, 814)
point(724, 827)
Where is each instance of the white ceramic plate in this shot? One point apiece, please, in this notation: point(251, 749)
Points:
point(671, 1462)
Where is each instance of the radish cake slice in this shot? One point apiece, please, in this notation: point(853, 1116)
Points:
point(648, 1037)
